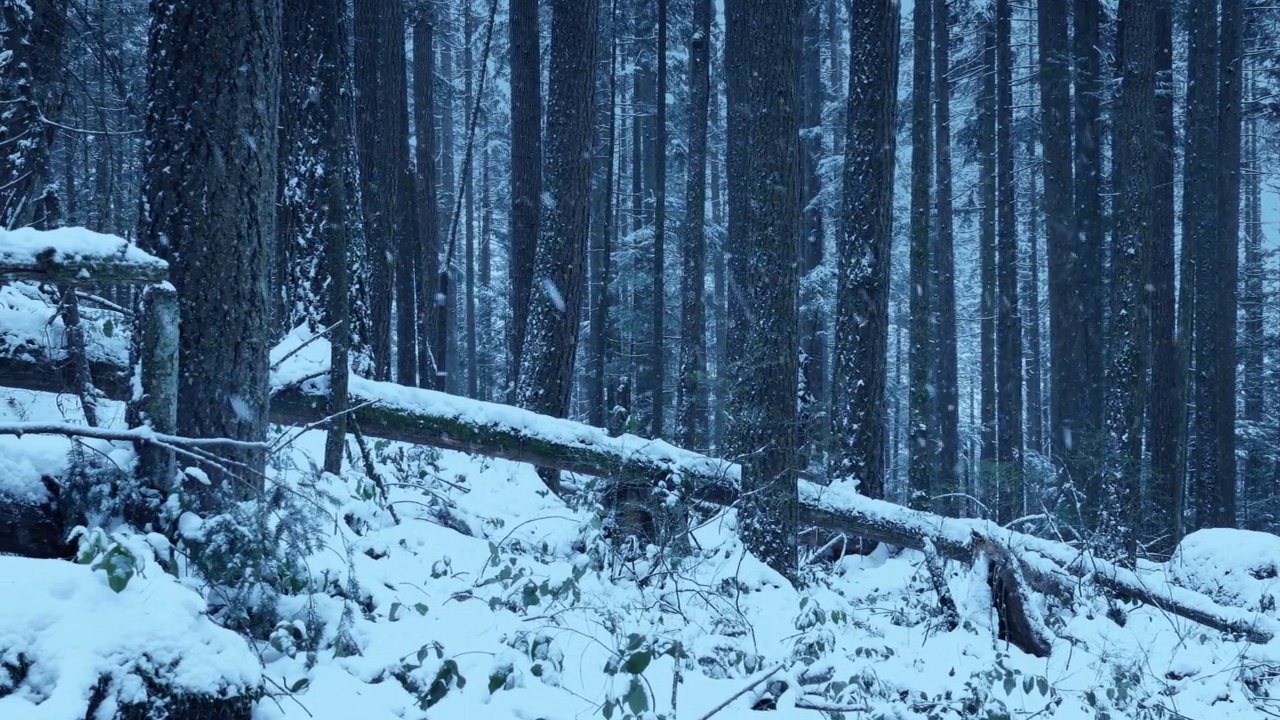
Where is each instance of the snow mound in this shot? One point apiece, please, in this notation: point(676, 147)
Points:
point(1234, 567)
point(68, 642)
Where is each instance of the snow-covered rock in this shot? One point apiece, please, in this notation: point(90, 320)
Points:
point(1234, 567)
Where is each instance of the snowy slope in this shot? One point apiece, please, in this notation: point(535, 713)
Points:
point(490, 598)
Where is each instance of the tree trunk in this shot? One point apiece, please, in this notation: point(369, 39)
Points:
point(987, 250)
point(1258, 497)
point(762, 62)
point(1010, 501)
point(813, 335)
point(922, 426)
point(602, 263)
point(546, 377)
point(693, 330)
point(1130, 273)
point(1163, 506)
point(382, 144)
point(863, 245)
point(526, 169)
point(1216, 428)
point(947, 484)
point(468, 174)
point(1085, 254)
point(658, 349)
point(314, 140)
point(31, 66)
point(216, 220)
point(429, 312)
point(1067, 425)
point(1199, 236)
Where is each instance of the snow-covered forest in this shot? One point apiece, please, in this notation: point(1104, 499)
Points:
point(639, 359)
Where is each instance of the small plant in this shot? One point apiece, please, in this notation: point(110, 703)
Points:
point(632, 659)
point(101, 551)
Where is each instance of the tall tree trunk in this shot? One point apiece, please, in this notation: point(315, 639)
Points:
point(658, 350)
point(813, 336)
point(762, 62)
point(1163, 506)
point(921, 421)
point(31, 66)
point(1217, 426)
point(1069, 424)
point(382, 144)
point(693, 329)
point(1086, 253)
point(602, 264)
point(947, 485)
point(863, 245)
point(1258, 500)
point(315, 139)
point(719, 290)
point(1009, 505)
point(429, 312)
point(468, 174)
point(1031, 306)
point(1130, 314)
point(987, 248)
point(546, 377)
point(526, 169)
point(216, 220)
point(1199, 236)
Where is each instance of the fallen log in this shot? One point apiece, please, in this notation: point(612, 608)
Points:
point(76, 256)
point(425, 417)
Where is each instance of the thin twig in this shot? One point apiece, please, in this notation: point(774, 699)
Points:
point(276, 365)
point(741, 692)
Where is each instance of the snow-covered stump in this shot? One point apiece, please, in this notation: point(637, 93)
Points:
point(157, 405)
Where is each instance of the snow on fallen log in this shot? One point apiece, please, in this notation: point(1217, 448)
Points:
point(1049, 565)
point(75, 255)
point(426, 417)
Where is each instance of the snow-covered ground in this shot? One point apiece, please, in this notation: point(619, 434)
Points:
point(491, 598)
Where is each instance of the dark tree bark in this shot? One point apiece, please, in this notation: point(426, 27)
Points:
point(947, 483)
point(1199, 237)
point(762, 64)
point(693, 327)
point(468, 174)
point(858, 402)
point(213, 87)
point(1258, 495)
point(987, 248)
point(1216, 427)
point(386, 185)
point(863, 250)
point(921, 422)
point(813, 340)
point(429, 312)
point(1119, 512)
point(602, 262)
point(1009, 504)
point(719, 288)
point(1086, 253)
point(546, 377)
point(1031, 306)
point(1163, 506)
point(1069, 419)
point(315, 139)
point(526, 169)
point(658, 349)
point(31, 65)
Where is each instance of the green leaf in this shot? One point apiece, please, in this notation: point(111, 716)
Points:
point(530, 595)
point(637, 663)
point(300, 685)
point(499, 678)
point(637, 699)
point(634, 641)
point(607, 709)
point(108, 328)
point(1009, 684)
point(1043, 685)
point(421, 608)
point(1027, 684)
point(395, 612)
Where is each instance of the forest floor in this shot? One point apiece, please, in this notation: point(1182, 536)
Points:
point(461, 589)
